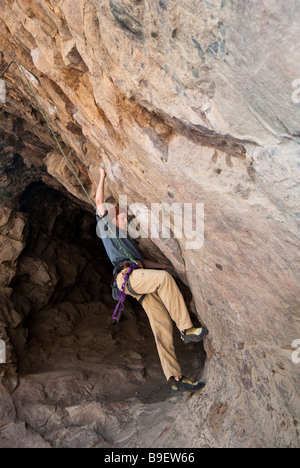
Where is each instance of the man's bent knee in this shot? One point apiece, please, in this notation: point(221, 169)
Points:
point(165, 275)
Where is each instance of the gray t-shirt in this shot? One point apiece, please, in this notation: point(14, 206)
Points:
point(111, 245)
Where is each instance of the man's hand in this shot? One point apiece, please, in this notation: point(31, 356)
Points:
point(102, 173)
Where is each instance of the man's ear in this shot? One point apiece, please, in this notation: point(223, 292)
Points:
point(115, 221)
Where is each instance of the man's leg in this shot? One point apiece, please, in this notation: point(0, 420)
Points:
point(161, 282)
point(162, 302)
point(162, 328)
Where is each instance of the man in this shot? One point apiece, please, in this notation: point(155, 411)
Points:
point(161, 297)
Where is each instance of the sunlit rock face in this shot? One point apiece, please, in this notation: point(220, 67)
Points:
point(185, 102)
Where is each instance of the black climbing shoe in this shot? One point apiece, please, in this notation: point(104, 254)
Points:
point(185, 385)
point(194, 335)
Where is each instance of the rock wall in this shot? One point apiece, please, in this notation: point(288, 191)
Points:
point(184, 102)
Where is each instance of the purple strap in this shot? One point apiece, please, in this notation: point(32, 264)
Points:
point(122, 295)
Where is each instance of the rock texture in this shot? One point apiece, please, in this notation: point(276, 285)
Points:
point(184, 102)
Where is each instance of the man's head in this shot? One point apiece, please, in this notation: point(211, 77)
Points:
point(119, 217)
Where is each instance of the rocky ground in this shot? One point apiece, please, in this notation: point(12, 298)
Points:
point(93, 384)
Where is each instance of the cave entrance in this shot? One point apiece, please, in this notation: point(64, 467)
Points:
point(62, 289)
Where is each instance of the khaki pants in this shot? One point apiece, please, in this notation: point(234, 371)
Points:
point(163, 303)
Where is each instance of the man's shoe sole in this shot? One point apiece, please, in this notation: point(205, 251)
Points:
point(186, 387)
point(195, 338)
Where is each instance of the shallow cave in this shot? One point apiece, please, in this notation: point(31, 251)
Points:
point(69, 351)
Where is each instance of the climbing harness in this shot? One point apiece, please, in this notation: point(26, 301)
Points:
point(126, 283)
point(122, 296)
point(121, 248)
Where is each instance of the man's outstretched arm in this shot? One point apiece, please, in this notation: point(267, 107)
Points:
point(100, 194)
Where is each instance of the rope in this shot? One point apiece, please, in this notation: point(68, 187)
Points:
point(50, 128)
point(122, 249)
point(7, 68)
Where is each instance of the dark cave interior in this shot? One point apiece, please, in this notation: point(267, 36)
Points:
point(62, 290)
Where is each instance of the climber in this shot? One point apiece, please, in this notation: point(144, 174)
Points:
point(153, 286)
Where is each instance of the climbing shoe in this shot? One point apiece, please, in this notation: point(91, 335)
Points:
point(194, 334)
point(185, 385)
